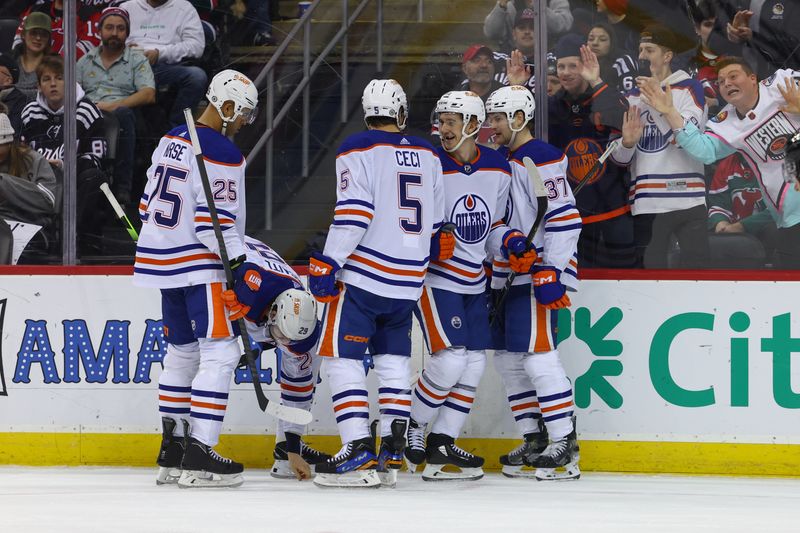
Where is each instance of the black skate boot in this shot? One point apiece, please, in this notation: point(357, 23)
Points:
point(171, 453)
point(559, 461)
point(281, 469)
point(390, 458)
point(415, 449)
point(442, 451)
point(354, 466)
point(534, 443)
point(203, 467)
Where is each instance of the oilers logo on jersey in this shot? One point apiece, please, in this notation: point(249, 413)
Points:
point(471, 216)
point(582, 154)
point(653, 139)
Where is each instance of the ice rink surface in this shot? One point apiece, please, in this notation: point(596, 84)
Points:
point(121, 500)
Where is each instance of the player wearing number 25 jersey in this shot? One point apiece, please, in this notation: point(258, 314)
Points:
point(178, 253)
point(388, 213)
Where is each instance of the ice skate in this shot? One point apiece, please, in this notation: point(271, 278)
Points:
point(353, 467)
point(415, 449)
point(390, 458)
point(532, 446)
point(203, 467)
point(281, 468)
point(170, 455)
point(441, 452)
point(559, 461)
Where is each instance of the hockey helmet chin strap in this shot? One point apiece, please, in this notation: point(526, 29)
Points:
point(511, 127)
point(464, 135)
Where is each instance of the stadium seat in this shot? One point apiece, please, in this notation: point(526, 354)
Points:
point(8, 27)
point(736, 250)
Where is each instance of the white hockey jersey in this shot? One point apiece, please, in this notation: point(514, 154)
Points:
point(556, 241)
point(389, 203)
point(475, 196)
point(664, 177)
point(177, 246)
point(761, 137)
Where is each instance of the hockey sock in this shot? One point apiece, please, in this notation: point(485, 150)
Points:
point(555, 392)
point(175, 383)
point(521, 395)
point(441, 372)
point(457, 406)
point(394, 393)
point(218, 358)
point(348, 385)
point(297, 388)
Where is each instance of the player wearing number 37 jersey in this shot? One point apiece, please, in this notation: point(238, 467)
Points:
point(386, 228)
point(178, 253)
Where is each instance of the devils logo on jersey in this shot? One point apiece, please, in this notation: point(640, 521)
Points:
point(582, 154)
point(471, 216)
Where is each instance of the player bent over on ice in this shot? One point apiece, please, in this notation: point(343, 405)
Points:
point(279, 312)
point(524, 331)
point(386, 227)
point(454, 307)
point(178, 253)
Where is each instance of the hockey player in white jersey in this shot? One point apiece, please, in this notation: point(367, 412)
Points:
point(524, 331)
point(279, 312)
point(454, 308)
point(757, 122)
point(387, 225)
point(178, 253)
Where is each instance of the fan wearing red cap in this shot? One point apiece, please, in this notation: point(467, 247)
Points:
point(479, 68)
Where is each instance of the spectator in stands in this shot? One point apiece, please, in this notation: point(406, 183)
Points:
point(769, 30)
point(118, 79)
point(85, 25)
point(33, 45)
point(626, 30)
point(42, 130)
point(29, 191)
point(584, 115)
point(617, 69)
point(259, 16)
point(668, 189)
point(735, 204)
point(12, 97)
point(524, 43)
point(179, 37)
point(500, 22)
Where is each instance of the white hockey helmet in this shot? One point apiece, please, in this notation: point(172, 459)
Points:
point(294, 313)
point(385, 98)
point(236, 87)
point(509, 100)
point(468, 105)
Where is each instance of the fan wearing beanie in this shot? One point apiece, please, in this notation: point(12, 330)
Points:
point(583, 115)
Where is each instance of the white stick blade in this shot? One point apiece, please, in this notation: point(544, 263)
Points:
point(289, 414)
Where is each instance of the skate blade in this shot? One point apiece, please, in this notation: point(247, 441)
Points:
point(412, 468)
point(570, 472)
point(168, 476)
point(360, 479)
point(435, 473)
point(199, 479)
point(518, 472)
point(280, 469)
point(388, 478)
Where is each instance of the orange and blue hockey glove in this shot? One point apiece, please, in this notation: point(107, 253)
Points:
point(322, 277)
point(515, 248)
point(548, 289)
point(443, 243)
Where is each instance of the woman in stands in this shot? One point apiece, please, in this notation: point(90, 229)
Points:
point(617, 68)
point(34, 46)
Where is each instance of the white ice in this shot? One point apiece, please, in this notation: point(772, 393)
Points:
point(121, 500)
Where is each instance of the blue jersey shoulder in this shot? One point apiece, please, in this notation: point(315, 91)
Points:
point(491, 158)
point(364, 140)
point(540, 152)
point(216, 146)
point(695, 88)
point(488, 158)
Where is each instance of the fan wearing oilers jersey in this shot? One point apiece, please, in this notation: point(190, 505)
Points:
point(387, 225)
point(454, 309)
point(524, 331)
point(758, 122)
point(279, 312)
point(178, 253)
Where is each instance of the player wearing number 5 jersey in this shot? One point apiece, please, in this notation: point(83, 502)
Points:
point(386, 228)
point(524, 331)
point(178, 253)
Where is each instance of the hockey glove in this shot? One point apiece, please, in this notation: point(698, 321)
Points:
point(548, 289)
point(443, 243)
point(236, 309)
point(515, 247)
point(322, 278)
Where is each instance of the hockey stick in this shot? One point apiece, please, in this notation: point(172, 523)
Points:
point(597, 165)
point(120, 213)
point(290, 414)
point(541, 206)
